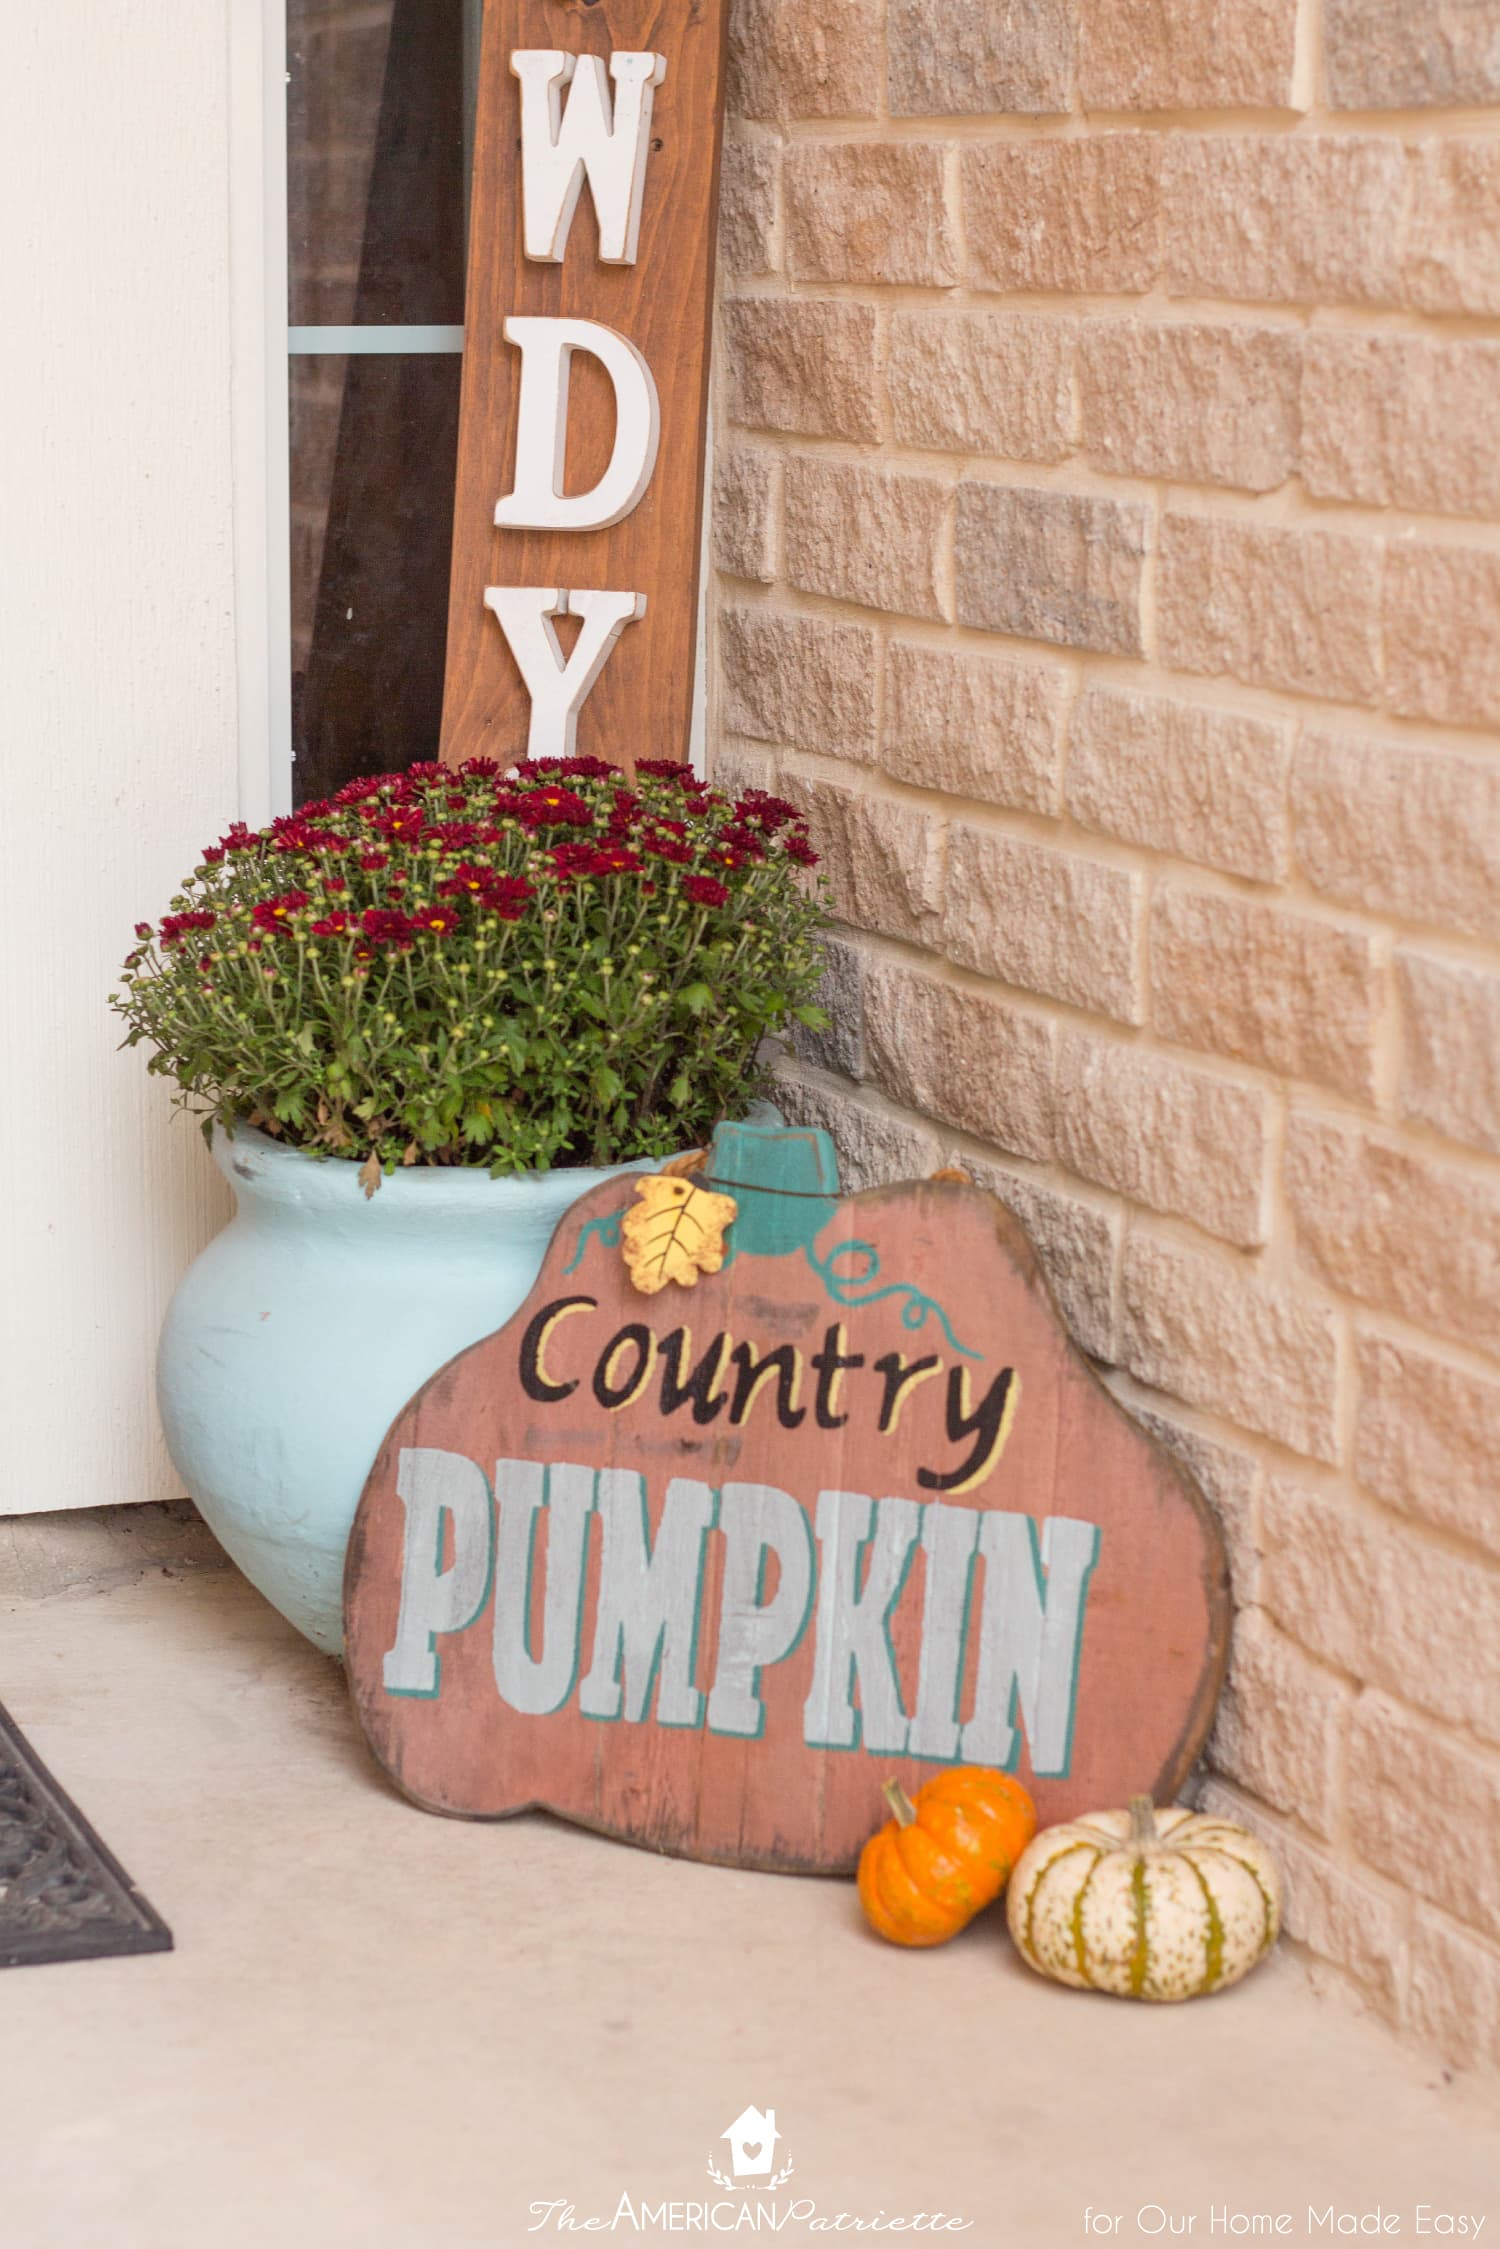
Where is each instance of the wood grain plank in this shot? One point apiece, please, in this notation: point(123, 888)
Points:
point(641, 705)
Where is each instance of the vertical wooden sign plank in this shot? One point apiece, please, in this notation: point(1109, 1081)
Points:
point(551, 415)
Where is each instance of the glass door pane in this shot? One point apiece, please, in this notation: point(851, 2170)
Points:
point(378, 103)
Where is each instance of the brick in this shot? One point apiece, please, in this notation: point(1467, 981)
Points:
point(1201, 784)
point(1425, 1809)
point(868, 211)
point(804, 681)
point(1451, 257)
point(735, 767)
point(1046, 565)
point(794, 363)
point(876, 1147)
point(1197, 402)
point(841, 1048)
point(1230, 1480)
point(1453, 1993)
point(1345, 1919)
point(1178, 54)
point(998, 383)
point(1261, 985)
point(1178, 1140)
point(1410, 833)
point(1442, 634)
point(868, 535)
point(974, 726)
point(1280, 1723)
point(1388, 1225)
point(749, 239)
point(1450, 1047)
point(883, 860)
point(1299, 610)
point(1212, 1335)
point(1309, 219)
point(1426, 1439)
point(972, 1062)
point(1385, 1603)
point(1050, 921)
point(746, 483)
point(1409, 54)
point(788, 60)
point(980, 57)
point(1075, 216)
point(1075, 1242)
point(1398, 422)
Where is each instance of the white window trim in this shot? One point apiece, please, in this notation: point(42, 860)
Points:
point(259, 405)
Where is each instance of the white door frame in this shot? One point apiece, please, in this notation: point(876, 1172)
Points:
point(262, 500)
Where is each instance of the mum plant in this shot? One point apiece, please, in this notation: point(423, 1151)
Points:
point(554, 965)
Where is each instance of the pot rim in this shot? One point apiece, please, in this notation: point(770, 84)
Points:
point(263, 1169)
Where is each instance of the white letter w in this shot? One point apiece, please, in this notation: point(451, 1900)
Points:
point(559, 147)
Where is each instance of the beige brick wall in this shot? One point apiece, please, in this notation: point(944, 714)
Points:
point(1107, 543)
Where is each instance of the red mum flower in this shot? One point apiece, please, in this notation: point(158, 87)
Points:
point(359, 792)
point(402, 824)
point(275, 913)
point(569, 861)
point(797, 847)
point(384, 926)
point(615, 859)
point(767, 812)
point(439, 920)
point(668, 769)
point(506, 895)
point(373, 861)
point(466, 881)
point(479, 768)
point(554, 808)
point(174, 927)
point(704, 891)
point(427, 769)
point(213, 855)
point(296, 836)
point(332, 925)
point(240, 838)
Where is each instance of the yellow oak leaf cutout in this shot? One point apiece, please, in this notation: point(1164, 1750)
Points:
point(674, 1232)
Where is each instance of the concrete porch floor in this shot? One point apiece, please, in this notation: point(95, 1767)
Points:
point(383, 2029)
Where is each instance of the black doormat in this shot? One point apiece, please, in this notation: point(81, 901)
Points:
point(63, 1896)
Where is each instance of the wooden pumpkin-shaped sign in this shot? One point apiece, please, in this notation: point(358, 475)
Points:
point(702, 1561)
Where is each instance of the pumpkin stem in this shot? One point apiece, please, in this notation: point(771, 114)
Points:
point(902, 1807)
point(1142, 1822)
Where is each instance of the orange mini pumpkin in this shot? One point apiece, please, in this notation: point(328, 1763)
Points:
point(947, 1856)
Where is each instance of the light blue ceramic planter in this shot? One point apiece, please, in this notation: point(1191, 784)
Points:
point(303, 1329)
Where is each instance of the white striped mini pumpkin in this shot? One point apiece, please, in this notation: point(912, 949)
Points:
point(1152, 1905)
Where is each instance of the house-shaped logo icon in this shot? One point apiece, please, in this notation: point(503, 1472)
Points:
point(752, 2138)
